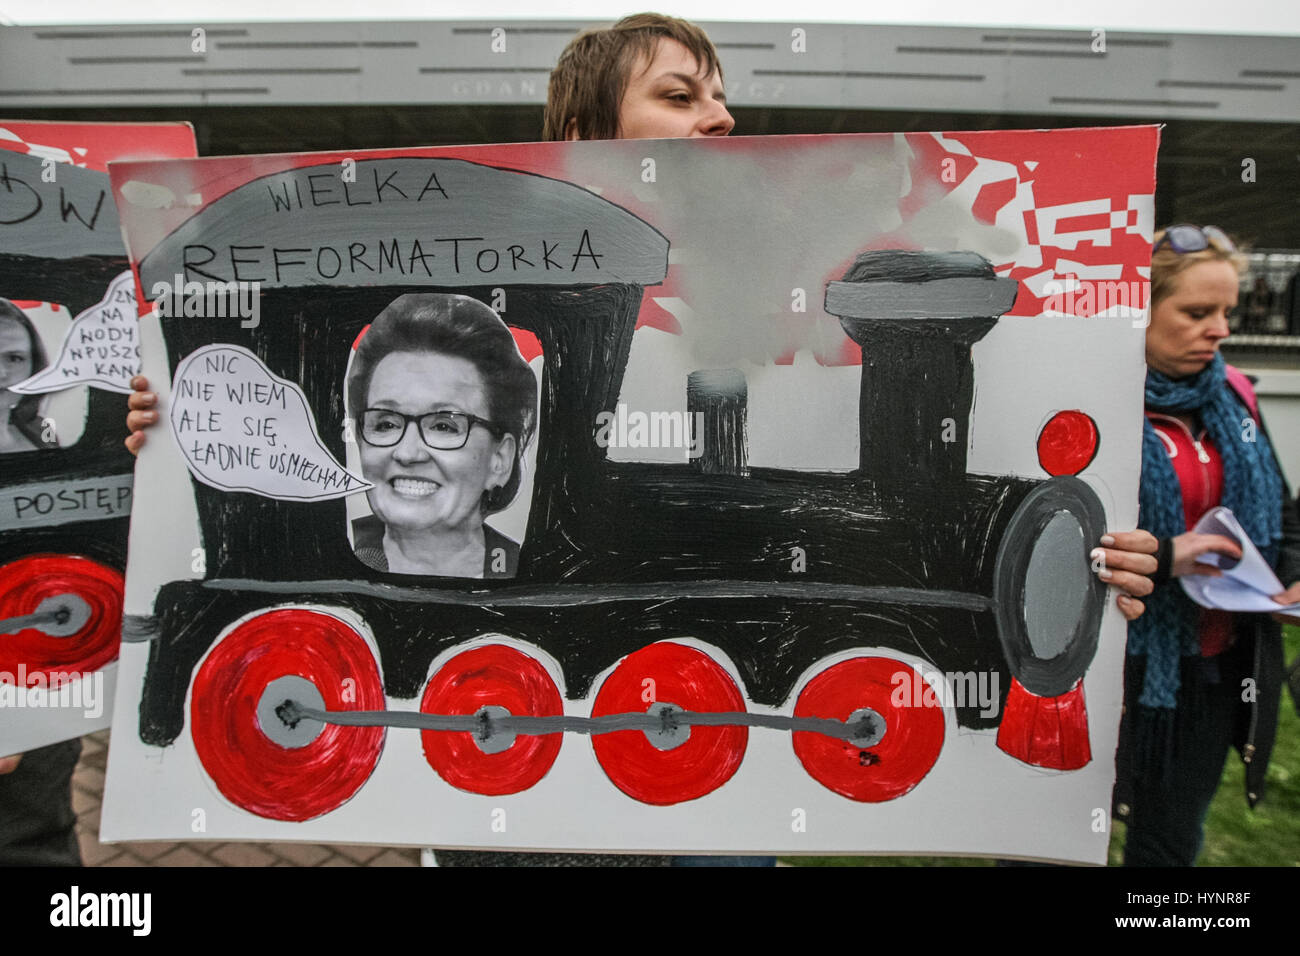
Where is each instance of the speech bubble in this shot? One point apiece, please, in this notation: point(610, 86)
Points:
point(102, 347)
point(243, 428)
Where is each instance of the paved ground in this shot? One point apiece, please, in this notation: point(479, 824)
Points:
point(88, 795)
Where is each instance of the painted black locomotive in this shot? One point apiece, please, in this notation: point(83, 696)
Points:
point(64, 508)
point(644, 567)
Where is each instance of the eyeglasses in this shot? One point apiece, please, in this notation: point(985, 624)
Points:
point(1186, 238)
point(443, 431)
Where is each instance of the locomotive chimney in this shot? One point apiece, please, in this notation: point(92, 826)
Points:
point(916, 316)
point(718, 399)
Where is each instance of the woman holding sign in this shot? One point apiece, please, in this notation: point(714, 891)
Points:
point(647, 77)
point(21, 357)
point(1197, 681)
point(444, 406)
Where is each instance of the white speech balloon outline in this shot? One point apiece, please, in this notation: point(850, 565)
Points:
point(34, 385)
point(295, 390)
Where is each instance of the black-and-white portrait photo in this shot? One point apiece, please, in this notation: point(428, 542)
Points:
point(443, 407)
point(21, 356)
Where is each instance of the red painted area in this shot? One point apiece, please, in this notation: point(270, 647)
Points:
point(95, 145)
point(1046, 731)
point(1093, 221)
point(1062, 175)
point(913, 729)
point(992, 197)
point(26, 582)
point(1031, 226)
point(934, 172)
point(982, 170)
point(487, 676)
point(691, 680)
point(527, 343)
point(250, 769)
point(655, 316)
point(1068, 443)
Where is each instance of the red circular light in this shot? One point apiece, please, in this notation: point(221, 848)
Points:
point(248, 767)
point(28, 581)
point(912, 736)
point(1068, 443)
point(690, 680)
point(497, 676)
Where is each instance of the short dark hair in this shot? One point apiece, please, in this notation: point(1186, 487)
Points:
point(588, 82)
point(26, 414)
point(465, 328)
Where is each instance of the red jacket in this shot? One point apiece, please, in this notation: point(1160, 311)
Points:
point(1199, 468)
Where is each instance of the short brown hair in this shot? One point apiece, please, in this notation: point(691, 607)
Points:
point(588, 83)
point(1167, 265)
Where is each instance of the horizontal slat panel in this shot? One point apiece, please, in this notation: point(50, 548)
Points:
point(844, 66)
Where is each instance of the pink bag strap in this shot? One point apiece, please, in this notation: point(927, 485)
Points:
point(1240, 384)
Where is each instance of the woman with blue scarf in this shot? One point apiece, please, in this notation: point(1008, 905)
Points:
point(1198, 681)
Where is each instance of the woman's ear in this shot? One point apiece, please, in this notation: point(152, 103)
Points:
point(503, 462)
point(571, 129)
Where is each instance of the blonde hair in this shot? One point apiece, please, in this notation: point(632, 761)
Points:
point(1167, 265)
point(588, 82)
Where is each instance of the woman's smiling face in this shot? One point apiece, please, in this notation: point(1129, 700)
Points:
point(422, 489)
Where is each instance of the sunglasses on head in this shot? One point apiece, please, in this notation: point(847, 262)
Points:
point(1187, 238)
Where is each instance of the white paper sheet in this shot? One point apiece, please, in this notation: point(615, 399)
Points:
point(1246, 585)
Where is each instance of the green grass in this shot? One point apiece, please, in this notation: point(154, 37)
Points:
point(1235, 835)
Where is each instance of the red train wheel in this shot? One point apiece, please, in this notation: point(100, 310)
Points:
point(95, 604)
point(505, 681)
point(903, 733)
point(697, 760)
point(256, 760)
